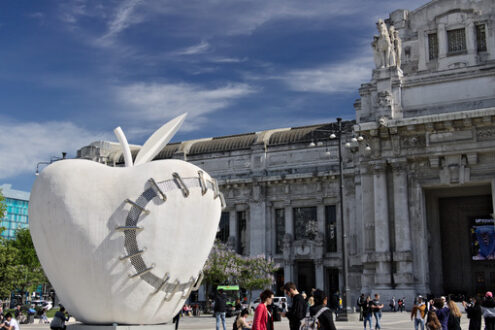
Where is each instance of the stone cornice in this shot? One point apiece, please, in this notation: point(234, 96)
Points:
point(430, 119)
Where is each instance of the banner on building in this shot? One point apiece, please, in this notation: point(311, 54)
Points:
point(483, 239)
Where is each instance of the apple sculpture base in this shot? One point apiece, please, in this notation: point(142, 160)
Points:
point(81, 326)
point(125, 245)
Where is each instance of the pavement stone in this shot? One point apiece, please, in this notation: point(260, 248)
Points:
point(390, 321)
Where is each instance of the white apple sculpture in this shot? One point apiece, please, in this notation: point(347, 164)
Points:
point(127, 244)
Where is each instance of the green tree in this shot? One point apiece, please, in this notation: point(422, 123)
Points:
point(257, 273)
point(222, 266)
point(28, 268)
point(3, 207)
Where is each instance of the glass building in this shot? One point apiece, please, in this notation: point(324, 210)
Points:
point(16, 215)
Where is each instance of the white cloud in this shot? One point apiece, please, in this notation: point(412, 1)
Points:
point(331, 78)
point(124, 17)
point(152, 102)
point(23, 145)
point(200, 48)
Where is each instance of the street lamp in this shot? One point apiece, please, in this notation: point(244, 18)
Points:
point(355, 141)
point(52, 159)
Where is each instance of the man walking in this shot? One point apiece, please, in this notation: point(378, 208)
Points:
point(418, 313)
point(297, 310)
point(377, 310)
point(220, 309)
point(360, 303)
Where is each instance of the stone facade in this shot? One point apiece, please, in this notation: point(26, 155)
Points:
point(429, 148)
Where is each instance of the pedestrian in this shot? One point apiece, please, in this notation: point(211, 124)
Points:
point(176, 320)
point(325, 319)
point(360, 303)
point(10, 322)
point(220, 309)
point(454, 322)
point(418, 314)
point(433, 321)
point(488, 308)
point(377, 310)
point(334, 303)
point(58, 321)
point(297, 310)
point(241, 322)
point(392, 304)
point(272, 313)
point(474, 313)
point(260, 319)
point(368, 312)
point(442, 311)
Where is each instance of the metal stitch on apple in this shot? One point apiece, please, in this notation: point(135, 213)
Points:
point(137, 205)
point(202, 183)
point(182, 186)
point(170, 295)
point(161, 194)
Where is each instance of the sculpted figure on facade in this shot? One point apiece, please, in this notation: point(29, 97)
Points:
point(383, 45)
point(376, 52)
point(397, 48)
point(391, 34)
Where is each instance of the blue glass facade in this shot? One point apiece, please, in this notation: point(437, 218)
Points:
point(16, 215)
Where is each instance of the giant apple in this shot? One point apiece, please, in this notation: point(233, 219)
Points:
point(124, 244)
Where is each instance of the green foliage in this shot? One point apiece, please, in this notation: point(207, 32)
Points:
point(8, 268)
point(251, 273)
point(28, 267)
point(3, 207)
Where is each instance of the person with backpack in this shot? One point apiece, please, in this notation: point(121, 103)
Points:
point(360, 303)
point(319, 315)
point(220, 309)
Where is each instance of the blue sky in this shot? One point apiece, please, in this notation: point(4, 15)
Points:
point(72, 71)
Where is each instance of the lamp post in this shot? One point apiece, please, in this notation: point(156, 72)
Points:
point(52, 159)
point(353, 146)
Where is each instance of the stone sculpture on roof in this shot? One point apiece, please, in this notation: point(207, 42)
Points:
point(386, 46)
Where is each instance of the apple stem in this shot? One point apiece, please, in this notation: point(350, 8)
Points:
point(125, 146)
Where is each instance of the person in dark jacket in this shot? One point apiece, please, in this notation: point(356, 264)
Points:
point(297, 311)
point(488, 308)
point(454, 322)
point(367, 312)
point(325, 320)
point(473, 310)
point(220, 309)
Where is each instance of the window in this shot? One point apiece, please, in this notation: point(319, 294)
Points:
point(241, 232)
point(279, 230)
point(456, 41)
point(481, 37)
point(305, 226)
point(433, 46)
point(331, 228)
point(223, 228)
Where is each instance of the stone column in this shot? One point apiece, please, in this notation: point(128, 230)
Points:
point(232, 243)
point(289, 224)
point(320, 218)
point(319, 274)
point(423, 51)
point(442, 41)
point(382, 239)
point(471, 43)
point(403, 253)
point(288, 271)
point(257, 222)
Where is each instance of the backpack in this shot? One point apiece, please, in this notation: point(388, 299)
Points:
point(311, 322)
point(234, 325)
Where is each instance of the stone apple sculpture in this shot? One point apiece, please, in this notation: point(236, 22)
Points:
point(127, 244)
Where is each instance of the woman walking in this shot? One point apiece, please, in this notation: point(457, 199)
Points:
point(454, 322)
point(261, 313)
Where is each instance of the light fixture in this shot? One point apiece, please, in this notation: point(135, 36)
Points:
point(347, 145)
point(333, 136)
point(368, 148)
point(354, 140)
point(312, 144)
point(319, 143)
point(360, 138)
point(327, 153)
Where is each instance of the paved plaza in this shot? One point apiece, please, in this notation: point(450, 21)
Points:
point(207, 322)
